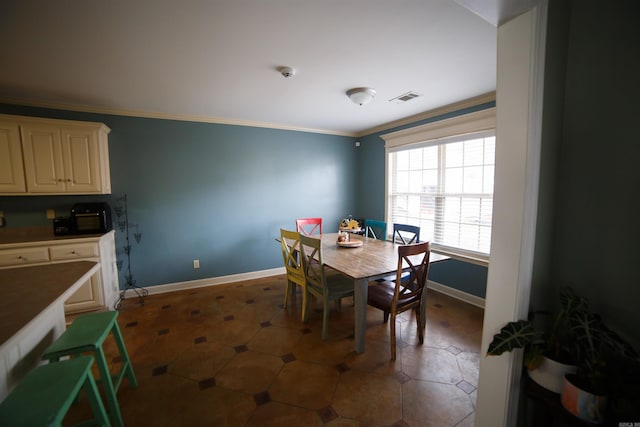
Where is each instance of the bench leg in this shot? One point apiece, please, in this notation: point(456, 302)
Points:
point(109, 391)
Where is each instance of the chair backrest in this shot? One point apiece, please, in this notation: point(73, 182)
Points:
point(406, 234)
point(312, 264)
point(309, 226)
point(290, 242)
point(375, 229)
point(416, 258)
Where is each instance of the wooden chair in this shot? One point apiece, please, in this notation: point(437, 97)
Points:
point(402, 295)
point(309, 226)
point(325, 286)
point(406, 234)
point(375, 229)
point(290, 242)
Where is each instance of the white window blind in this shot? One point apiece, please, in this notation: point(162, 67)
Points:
point(445, 186)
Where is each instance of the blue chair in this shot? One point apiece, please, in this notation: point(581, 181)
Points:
point(406, 234)
point(375, 229)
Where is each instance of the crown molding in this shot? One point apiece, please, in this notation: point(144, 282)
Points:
point(167, 116)
point(467, 103)
point(471, 102)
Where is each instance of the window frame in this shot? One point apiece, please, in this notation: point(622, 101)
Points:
point(437, 133)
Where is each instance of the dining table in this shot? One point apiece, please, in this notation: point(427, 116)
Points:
point(372, 260)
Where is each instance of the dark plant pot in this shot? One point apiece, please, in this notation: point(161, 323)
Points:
point(550, 373)
point(583, 404)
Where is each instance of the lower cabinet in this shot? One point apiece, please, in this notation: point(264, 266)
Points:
point(100, 292)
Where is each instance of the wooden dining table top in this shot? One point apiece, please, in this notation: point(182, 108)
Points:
point(373, 259)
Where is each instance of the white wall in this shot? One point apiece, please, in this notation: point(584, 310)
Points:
point(519, 117)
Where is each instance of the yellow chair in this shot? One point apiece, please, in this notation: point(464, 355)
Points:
point(326, 287)
point(399, 296)
point(290, 243)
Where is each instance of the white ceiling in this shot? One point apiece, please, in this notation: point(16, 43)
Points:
point(217, 60)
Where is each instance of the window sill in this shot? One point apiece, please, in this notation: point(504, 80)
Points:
point(484, 262)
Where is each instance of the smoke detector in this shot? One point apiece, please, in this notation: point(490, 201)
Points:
point(287, 72)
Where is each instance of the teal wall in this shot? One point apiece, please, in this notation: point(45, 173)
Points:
point(220, 193)
point(217, 193)
point(597, 229)
point(467, 277)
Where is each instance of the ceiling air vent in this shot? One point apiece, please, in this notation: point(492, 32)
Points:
point(404, 97)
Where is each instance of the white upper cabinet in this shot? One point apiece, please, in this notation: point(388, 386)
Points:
point(11, 167)
point(58, 157)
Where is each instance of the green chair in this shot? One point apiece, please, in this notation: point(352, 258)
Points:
point(290, 242)
point(45, 394)
point(375, 229)
point(87, 333)
point(326, 287)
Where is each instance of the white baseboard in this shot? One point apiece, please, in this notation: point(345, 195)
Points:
point(456, 293)
point(214, 281)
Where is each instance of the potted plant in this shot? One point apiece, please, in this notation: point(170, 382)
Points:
point(604, 361)
point(548, 352)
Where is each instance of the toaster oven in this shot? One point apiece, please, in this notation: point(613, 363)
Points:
point(90, 218)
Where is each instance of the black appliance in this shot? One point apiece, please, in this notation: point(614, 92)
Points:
point(61, 226)
point(90, 218)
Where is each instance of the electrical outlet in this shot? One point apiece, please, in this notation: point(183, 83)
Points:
point(196, 263)
point(51, 213)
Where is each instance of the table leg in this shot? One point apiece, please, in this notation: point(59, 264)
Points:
point(361, 289)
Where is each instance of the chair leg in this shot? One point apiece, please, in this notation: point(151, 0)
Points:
point(287, 289)
point(325, 319)
point(420, 326)
point(305, 306)
point(392, 329)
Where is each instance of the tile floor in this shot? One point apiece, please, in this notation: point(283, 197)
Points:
point(231, 355)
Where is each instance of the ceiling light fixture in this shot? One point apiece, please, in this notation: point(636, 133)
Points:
point(361, 95)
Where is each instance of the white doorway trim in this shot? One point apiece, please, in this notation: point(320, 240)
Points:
point(520, 76)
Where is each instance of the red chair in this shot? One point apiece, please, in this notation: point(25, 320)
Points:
point(309, 226)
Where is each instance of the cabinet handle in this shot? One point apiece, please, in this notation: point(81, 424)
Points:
point(19, 256)
point(60, 180)
point(68, 179)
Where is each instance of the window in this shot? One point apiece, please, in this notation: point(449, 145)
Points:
point(445, 185)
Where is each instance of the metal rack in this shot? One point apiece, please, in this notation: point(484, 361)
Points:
point(122, 214)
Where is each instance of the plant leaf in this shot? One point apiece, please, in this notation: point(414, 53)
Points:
point(512, 335)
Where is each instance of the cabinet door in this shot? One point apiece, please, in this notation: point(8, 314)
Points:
point(11, 169)
point(87, 297)
point(42, 150)
point(81, 160)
